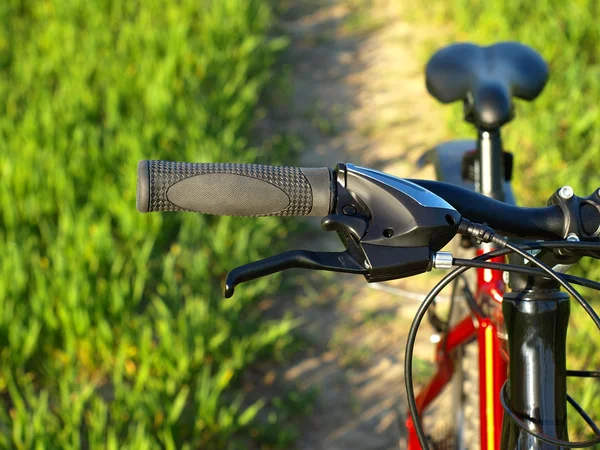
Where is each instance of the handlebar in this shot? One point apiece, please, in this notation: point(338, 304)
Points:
point(260, 190)
point(548, 222)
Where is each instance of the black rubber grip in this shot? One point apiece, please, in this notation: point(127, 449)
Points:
point(233, 189)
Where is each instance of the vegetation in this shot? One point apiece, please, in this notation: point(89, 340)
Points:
point(556, 138)
point(113, 330)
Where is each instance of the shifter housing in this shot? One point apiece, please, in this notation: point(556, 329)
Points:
point(391, 228)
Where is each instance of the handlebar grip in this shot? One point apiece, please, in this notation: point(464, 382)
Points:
point(233, 189)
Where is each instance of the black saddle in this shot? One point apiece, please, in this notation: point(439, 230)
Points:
point(486, 79)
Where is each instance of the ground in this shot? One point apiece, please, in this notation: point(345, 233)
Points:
point(357, 73)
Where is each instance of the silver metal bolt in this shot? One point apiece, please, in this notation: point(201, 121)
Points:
point(571, 237)
point(566, 192)
point(443, 260)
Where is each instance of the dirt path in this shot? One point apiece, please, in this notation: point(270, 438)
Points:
point(359, 96)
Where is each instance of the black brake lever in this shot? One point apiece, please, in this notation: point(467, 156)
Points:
point(350, 261)
point(302, 259)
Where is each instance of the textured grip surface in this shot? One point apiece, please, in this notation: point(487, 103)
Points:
point(233, 189)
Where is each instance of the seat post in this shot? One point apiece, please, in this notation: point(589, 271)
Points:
point(489, 172)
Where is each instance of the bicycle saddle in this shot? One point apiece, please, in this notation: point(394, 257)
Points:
point(486, 79)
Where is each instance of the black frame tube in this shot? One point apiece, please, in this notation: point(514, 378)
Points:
point(536, 323)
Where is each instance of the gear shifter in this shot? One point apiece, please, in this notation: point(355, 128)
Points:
point(391, 228)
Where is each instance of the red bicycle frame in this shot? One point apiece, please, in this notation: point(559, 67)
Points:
point(492, 359)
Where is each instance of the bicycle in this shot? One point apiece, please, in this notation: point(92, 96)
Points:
point(394, 228)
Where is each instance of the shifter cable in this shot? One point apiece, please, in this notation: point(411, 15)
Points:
point(486, 233)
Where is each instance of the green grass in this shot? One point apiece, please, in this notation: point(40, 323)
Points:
point(556, 138)
point(113, 329)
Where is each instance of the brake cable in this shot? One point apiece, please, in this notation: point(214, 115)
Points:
point(488, 233)
point(524, 270)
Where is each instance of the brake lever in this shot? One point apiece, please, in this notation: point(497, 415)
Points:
point(302, 259)
point(350, 261)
